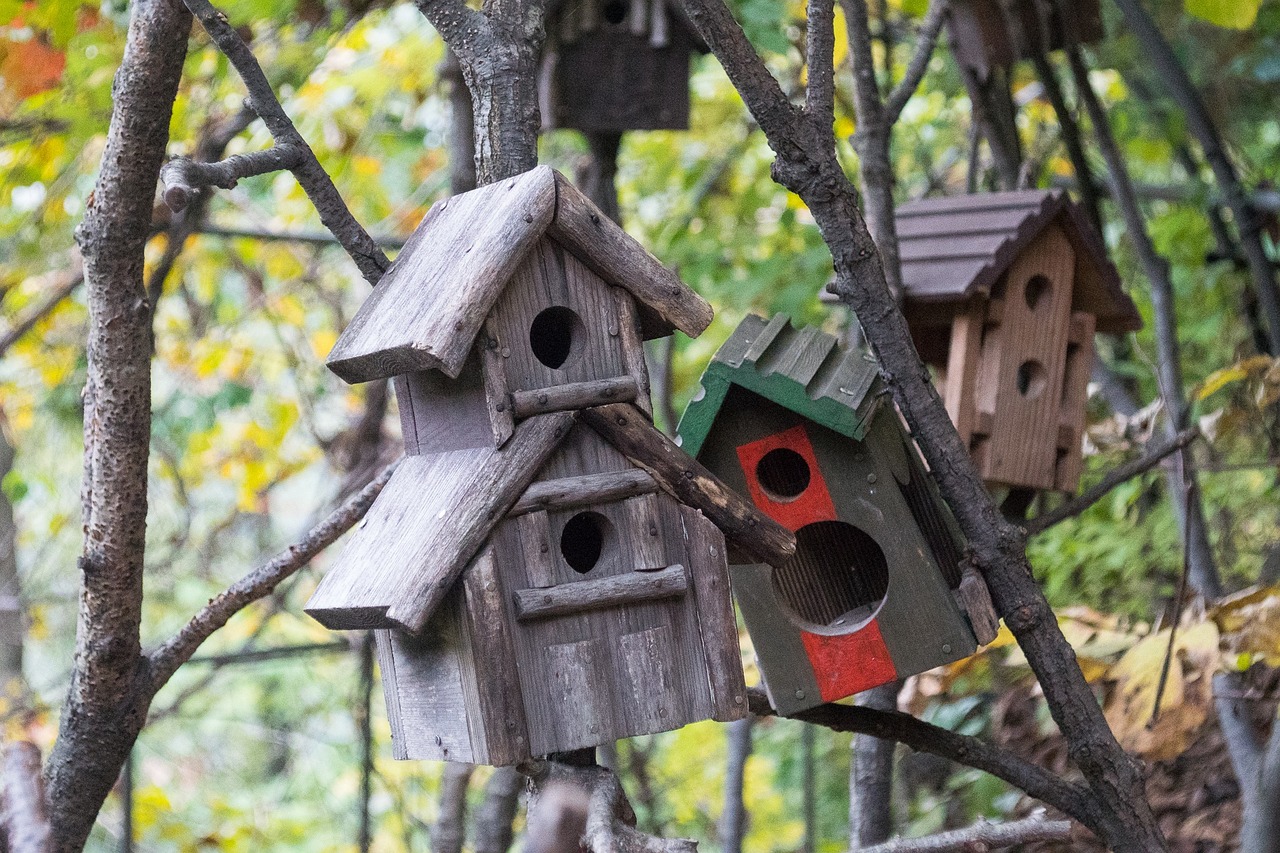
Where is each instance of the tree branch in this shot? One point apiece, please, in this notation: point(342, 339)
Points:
point(926, 42)
point(71, 279)
point(610, 820)
point(166, 659)
point(466, 31)
point(311, 176)
point(1116, 476)
point(24, 817)
point(1068, 798)
point(184, 177)
point(819, 94)
point(981, 836)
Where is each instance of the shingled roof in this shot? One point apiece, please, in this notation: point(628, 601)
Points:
point(954, 247)
point(428, 308)
point(805, 370)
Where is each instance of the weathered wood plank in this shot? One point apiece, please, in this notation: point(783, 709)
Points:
point(645, 541)
point(719, 627)
point(535, 548)
point(426, 526)
point(655, 702)
point(496, 389)
point(428, 308)
point(753, 532)
point(570, 492)
point(579, 713)
point(580, 596)
point(573, 396)
point(493, 662)
point(962, 366)
point(632, 342)
point(615, 256)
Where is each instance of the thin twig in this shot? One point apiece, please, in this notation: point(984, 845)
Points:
point(74, 278)
point(981, 836)
point(919, 63)
point(184, 177)
point(1188, 487)
point(1119, 474)
point(312, 177)
point(259, 583)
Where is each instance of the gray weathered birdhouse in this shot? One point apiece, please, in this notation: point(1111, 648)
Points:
point(538, 567)
point(983, 36)
point(616, 65)
point(805, 429)
point(1003, 294)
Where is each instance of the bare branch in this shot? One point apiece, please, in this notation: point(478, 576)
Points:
point(1119, 474)
point(178, 649)
point(819, 96)
point(1066, 797)
point(70, 280)
point(312, 177)
point(184, 177)
point(466, 31)
point(925, 44)
point(24, 817)
point(981, 836)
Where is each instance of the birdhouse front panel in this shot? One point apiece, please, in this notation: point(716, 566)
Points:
point(983, 36)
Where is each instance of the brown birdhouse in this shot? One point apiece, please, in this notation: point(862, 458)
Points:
point(1003, 294)
point(615, 65)
point(984, 36)
point(804, 427)
point(538, 566)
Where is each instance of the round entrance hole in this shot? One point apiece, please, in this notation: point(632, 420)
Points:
point(555, 336)
point(783, 473)
point(1037, 291)
point(1032, 379)
point(837, 578)
point(582, 541)
point(615, 11)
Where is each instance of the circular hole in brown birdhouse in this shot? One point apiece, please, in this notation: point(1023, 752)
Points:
point(615, 11)
point(783, 474)
point(1037, 291)
point(556, 336)
point(1032, 378)
point(582, 540)
point(837, 579)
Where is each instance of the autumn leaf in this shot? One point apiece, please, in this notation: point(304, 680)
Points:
point(30, 67)
point(1250, 624)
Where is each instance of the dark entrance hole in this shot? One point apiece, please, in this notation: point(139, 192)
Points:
point(1037, 290)
point(555, 336)
point(582, 541)
point(615, 11)
point(1032, 379)
point(837, 578)
point(783, 473)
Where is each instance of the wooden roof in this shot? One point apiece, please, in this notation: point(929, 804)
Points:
point(958, 246)
point(428, 308)
point(438, 510)
point(804, 370)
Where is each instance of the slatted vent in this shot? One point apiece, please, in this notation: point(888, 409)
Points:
point(838, 575)
point(928, 516)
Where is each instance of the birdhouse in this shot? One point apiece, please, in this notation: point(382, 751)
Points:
point(538, 568)
point(984, 37)
point(1003, 295)
point(805, 429)
point(616, 65)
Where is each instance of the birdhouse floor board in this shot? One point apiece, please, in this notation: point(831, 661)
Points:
point(630, 588)
point(573, 396)
point(570, 492)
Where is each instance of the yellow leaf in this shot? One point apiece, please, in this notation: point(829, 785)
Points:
point(1250, 624)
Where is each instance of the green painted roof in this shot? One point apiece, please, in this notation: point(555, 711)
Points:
point(805, 370)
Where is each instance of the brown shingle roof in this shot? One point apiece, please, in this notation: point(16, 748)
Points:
point(955, 247)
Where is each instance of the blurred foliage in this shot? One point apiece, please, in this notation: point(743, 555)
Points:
point(248, 424)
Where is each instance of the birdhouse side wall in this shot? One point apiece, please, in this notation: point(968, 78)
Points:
point(439, 414)
point(611, 81)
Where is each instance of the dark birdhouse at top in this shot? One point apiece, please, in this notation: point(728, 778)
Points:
point(615, 65)
point(803, 426)
point(538, 567)
point(1004, 292)
point(983, 36)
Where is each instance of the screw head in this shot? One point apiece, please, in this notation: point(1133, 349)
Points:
point(799, 694)
point(871, 478)
point(946, 648)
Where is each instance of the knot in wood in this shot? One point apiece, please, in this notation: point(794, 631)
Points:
point(1023, 618)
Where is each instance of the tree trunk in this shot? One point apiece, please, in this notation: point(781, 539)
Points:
point(106, 705)
point(733, 819)
point(450, 830)
point(493, 833)
point(871, 776)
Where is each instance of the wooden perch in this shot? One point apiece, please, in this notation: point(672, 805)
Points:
point(24, 817)
point(570, 492)
point(574, 395)
point(580, 596)
point(752, 532)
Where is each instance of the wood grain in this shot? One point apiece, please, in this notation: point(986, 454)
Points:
point(429, 306)
point(581, 596)
point(666, 302)
point(570, 492)
point(494, 377)
point(627, 429)
point(632, 342)
point(576, 395)
point(426, 526)
point(719, 627)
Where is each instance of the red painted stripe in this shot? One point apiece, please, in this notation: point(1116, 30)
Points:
point(813, 504)
point(849, 663)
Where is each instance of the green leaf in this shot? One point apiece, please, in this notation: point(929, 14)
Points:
point(13, 486)
point(1235, 14)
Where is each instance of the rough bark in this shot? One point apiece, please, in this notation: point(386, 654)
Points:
point(871, 776)
point(982, 836)
point(1183, 485)
point(733, 818)
point(1256, 761)
point(493, 832)
point(104, 709)
point(807, 165)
